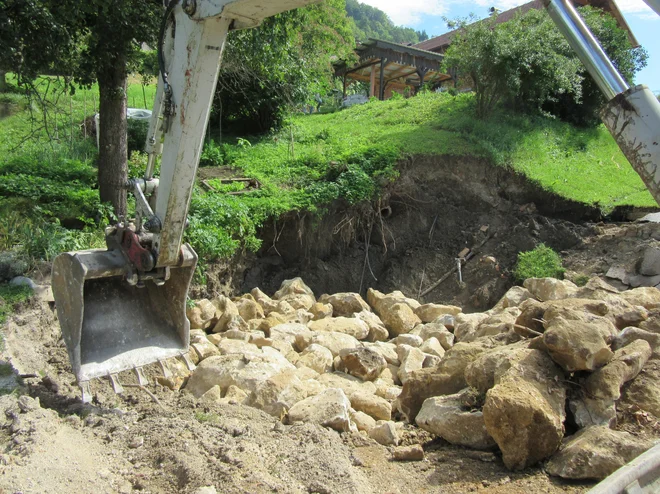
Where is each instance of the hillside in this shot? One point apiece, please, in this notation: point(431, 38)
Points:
point(371, 22)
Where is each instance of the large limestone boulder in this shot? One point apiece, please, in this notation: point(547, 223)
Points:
point(430, 312)
point(320, 311)
point(329, 408)
point(347, 383)
point(237, 370)
point(361, 362)
point(643, 393)
point(227, 315)
point(408, 339)
point(377, 330)
point(249, 308)
point(268, 304)
point(595, 453)
point(578, 340)
point(412, 359)
point(289, 332)
point(433, 347)
point(296, 294)
point(345, 304)
point(228, 346)
point(606, 382)
point(596, 405)
point(316, 357)
point(647, 297)
point(335, 342)
point(524, 411)
point(385, 433)
point(386, 350)
point(545, 289)
point(277, 394)
point(380, 301)
point(531, 315)
point(374, 406)
point(513, 298)
point(487, 369)
point(628, 335)
point(456, 419)
point(347, 325)
point(445, 379)
point(399, 318)
point(501, 322)
point(466, 324)
point(437, 331)
point(202, 315)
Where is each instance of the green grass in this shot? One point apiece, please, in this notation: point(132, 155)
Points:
point(314, 160)
point(542, 262)
point(10, 296)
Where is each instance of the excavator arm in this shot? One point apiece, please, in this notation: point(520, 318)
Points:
point(124, 307)
point(632, 114)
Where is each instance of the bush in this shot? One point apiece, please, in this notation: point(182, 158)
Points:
point(542, 262)
point(136, 134)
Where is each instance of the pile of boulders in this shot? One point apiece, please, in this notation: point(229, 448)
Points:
point(548, 358)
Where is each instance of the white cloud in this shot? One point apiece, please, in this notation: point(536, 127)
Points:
point(411, 12)
point(634, 7)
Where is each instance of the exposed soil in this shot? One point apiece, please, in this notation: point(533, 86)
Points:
point(413, 235)
point(170, 442)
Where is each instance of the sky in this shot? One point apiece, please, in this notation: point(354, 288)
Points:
point(427, 15)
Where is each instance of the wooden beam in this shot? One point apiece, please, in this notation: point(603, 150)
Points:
point(383, 64)
point(372, 82)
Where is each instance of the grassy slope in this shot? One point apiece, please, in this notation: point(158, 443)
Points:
point(309, 163)
point(580, 164)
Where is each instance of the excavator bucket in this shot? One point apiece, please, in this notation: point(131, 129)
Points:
point(110, 326)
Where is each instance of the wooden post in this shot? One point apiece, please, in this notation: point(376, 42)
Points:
point(383, 63)
point(372, 82)
point(344, 93)
point(422, 73)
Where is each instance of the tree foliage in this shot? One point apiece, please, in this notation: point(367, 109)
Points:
point(370, 22)
point(284, 62)
point(86, 42)
point(528, 64)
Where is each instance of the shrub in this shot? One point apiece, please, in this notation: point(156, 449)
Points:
point(136, 131)
point(542, 262)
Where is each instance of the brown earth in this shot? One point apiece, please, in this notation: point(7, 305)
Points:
point(170, 442)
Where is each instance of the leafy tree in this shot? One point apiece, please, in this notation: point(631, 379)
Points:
point(91, 41)
point(284, 62)
point(527, 63)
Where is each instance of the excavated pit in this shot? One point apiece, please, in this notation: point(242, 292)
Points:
point(410, 238)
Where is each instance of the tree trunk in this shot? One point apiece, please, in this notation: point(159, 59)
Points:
point(3, 81)
point(113, 169)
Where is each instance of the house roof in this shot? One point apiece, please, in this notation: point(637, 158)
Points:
point(440, 43)
point(402, 64)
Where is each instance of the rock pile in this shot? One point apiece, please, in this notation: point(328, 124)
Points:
point(548, 358)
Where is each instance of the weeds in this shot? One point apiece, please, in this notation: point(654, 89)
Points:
point(10, 296)
point(542, 262)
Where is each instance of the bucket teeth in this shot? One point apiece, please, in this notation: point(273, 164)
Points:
point(188, 362)
point(116, 385)
point(142, 380)
point(167, 373)
point(86, 392)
